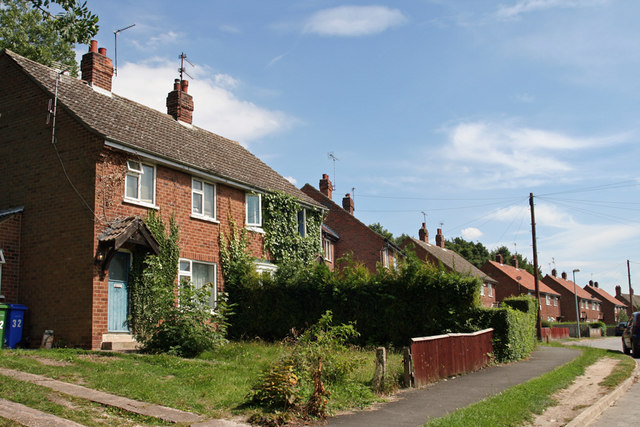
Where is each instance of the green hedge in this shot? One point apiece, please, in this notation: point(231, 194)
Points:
point(388, 307)
point(514, 325)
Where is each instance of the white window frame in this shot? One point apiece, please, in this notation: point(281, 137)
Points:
point(265, 267)
point(253, 226)
point(385, 257)
point(304, 222)
point(327, 249)
point(490, 288)
point(482, 289)
point(189, 274)
point(201, 192)
point(555, 301)
point(548, 299)
point(137, 173)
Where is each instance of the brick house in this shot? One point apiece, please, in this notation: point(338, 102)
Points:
point(439, 255)
point(81, 165)
point(610, 306)
point(344, 234)
point(588, 305)
point(513, 281)
point(624, 298)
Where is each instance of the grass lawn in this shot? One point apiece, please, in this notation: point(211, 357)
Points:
point(515, 406)
point(214, 385)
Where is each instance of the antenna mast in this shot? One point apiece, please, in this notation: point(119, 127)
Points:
point(182, 70)
point(334, 158)
point(115, 36)
point(424, 216)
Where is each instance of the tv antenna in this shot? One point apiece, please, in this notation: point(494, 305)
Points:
point(183, 58)
point(334, 158)
point(115, 36)
point(424, 216)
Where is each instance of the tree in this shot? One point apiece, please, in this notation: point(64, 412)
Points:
point(476, 253)
point(32, 29)
point(378, 228)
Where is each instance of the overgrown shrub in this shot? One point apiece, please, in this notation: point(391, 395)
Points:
point(601, 325)
point(163, 320)
point(514, 325)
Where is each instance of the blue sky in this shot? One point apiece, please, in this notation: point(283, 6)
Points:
point(455, 108)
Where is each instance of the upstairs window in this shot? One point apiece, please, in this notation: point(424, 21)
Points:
point(203, 199)
point(548, 299)
point(302, 222)
point(254, 210)
point(385, 257)
point(490, 288)
point(140, 182)
point(482, 290)
point(555, 301)
point(198, 274)
point(327, 248)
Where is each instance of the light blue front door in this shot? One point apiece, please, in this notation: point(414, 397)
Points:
point(118, 294)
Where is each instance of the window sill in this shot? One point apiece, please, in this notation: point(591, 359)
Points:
point(204, 218)
point(255, 229)
point(139, 203)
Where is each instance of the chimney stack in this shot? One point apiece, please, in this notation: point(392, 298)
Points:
point(514, 261)
point(618, 291)
point(554, 272)
point(347, 203)
point(97, 69)
point(325, 186)
point(499, 259)
point(179, 102)
point(564, 275)
point(439, 238)
point(590, 282)
point(595, 284)
point(423, 234)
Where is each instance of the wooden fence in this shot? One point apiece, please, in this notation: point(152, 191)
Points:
point(442, 356)
point(555, 333)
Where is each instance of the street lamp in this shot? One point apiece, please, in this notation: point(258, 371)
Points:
point(575, 294)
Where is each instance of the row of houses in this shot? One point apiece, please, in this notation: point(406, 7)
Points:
point(81, 166)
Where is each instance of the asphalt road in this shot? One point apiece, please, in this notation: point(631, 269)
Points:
point(607, 343)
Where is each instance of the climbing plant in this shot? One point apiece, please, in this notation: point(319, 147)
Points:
point(237, 263)
point(280, 222)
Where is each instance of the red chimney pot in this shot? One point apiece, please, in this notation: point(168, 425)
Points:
point(93, 46)
point(102, 51)
point(185, 86)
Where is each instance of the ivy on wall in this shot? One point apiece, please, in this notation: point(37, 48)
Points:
point(280, 223)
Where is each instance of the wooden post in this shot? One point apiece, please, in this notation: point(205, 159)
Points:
point(381, 369)
point(408, 371)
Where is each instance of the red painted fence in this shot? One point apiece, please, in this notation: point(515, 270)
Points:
point(442, 356)
point(556, 333)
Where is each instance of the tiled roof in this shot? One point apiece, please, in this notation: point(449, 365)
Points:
point(453, 260)
point(151, 132)
point(331, 205)
point(526, 279)
point(569, 285)
point(604, 295)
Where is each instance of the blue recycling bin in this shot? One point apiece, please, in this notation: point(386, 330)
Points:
point(15, 322)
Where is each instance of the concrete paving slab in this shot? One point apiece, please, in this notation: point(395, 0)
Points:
point(135, 406)
point(31, 417)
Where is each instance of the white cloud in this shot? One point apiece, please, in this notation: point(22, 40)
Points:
point(546, 215)
point(526, 6)
point(226, 28)
point(217, 108)
point(163, 39)
point(291, 180)
point(471, 233)
point(509, 155)
point(353, 21)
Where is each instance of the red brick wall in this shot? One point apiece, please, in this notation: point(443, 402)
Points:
point(10, 245)
point(57, 228)
point(355, 237)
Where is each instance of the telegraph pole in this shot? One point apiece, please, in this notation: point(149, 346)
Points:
point(535, 267)
point(631, 307)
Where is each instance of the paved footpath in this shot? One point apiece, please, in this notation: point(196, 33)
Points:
point(416, 407)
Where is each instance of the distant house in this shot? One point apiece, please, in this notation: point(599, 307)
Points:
point(344, 234)
point(610, 306)
point(514, 281)
point(588, 305)
point(624, 298)
point(81, 166)
point(439, 255)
